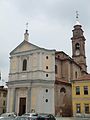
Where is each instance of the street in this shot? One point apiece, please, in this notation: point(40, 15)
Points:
point(71, 118)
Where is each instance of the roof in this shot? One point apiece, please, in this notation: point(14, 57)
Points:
point(62, 82)
point(26, 46)
point(66, 57)
point(85, 77)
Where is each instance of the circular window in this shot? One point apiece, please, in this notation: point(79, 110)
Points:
point(46, 90)
point(46, 100)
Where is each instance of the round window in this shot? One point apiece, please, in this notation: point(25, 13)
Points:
point(46, 90)
point(46, 100)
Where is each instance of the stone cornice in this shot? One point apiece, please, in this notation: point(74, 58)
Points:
point(30, 82)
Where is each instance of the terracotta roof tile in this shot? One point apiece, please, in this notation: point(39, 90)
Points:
point(85, 77)
point(62, 82)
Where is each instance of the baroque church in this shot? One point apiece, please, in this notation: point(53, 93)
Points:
point(40, 79)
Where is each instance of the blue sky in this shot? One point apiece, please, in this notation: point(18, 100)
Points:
point(50, 25)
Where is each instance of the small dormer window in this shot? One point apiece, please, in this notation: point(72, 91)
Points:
point(24, 68)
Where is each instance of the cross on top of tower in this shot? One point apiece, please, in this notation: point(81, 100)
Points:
point(27, 26)
point(77, 16)
point(26, 34)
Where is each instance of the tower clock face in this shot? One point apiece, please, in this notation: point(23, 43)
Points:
point(77, 52)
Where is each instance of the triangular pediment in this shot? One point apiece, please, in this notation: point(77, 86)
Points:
point(23, 47)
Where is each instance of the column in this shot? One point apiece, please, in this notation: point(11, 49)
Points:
point(11, 100)
point(14, 100)
point(29, 99)
point(8, 100)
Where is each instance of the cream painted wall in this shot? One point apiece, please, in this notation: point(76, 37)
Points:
point(39, 97)
point(36, 71)
point(36, 66)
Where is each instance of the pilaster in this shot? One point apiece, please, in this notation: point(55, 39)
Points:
point(29, 99)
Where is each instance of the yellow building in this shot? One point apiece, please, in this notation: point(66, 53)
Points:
point(81, 95)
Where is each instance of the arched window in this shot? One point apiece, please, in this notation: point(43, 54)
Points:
point(77, 46)
point(63, 90)
point(75, 74)
point(55, 69)
point(24, 65)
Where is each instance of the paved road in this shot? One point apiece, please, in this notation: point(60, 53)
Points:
point(71, 118)
point(63, 118)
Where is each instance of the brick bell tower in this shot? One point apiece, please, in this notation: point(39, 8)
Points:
point(78, 45)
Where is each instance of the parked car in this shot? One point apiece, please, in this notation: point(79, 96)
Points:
point(7, 116)
point(43, 116)
point(26, 118)
point(4, 115)
point(30, 114)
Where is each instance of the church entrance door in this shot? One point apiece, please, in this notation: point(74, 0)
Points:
point(22, 105)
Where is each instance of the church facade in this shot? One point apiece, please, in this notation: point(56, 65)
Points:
point(40, 79)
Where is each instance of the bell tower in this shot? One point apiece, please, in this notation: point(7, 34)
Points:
point(78, 45)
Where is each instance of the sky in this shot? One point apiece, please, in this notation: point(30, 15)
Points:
point(50, 25)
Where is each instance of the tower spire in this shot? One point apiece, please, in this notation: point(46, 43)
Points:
point(26, 34)
point(77, 18)
point(27, 26)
